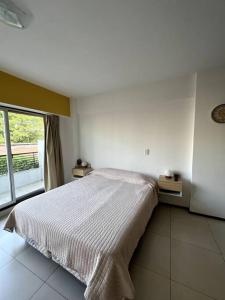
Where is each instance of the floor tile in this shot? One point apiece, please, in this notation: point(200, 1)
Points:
point(149, 285)
point(179, 213)
point(218, 230)
point(4, 258)
point(67, 285)
point(37, 263)
point(47, 293)
point(199, 269)
point(193, 230)
point(160, 221)
point(153, 253)
point(181, 292)
point(3, 233)
point(13, 244)
point(17, 282)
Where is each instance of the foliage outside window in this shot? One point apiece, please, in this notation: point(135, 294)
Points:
point(24, 130)
point(20, 163)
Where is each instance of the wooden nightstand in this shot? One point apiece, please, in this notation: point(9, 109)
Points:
point(168, 186)
point(79, 172)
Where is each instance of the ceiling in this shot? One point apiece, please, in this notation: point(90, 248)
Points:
point(85, 47)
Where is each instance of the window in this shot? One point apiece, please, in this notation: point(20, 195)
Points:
point(21, 155)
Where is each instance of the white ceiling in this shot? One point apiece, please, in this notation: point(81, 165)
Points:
point(84, 47)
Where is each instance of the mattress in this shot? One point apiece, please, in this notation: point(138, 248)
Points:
point(91, 227)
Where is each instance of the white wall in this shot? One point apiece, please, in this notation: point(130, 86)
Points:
point(208, 190)
point(69, 141)
point(116, 128)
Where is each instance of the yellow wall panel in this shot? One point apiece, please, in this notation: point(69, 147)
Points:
point(22, 93)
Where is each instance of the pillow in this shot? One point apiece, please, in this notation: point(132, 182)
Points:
point(128, 176)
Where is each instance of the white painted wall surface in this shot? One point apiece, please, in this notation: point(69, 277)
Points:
point(208, 191)
point(116, 128)
point(69, 141)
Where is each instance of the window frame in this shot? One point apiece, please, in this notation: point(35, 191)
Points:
point(14, 199)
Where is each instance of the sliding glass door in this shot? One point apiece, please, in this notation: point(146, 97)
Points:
point(6, 179)
point(21, 155)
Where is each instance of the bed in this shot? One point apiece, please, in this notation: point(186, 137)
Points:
point(91, 227)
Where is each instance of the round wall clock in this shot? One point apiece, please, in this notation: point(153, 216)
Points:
point(218, 113)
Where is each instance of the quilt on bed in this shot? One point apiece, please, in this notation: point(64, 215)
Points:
point(91, 227)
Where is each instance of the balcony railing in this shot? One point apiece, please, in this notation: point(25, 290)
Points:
point(21, 162)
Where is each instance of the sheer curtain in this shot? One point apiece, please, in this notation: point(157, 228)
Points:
point(53, 170)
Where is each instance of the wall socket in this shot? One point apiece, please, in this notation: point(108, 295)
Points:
point(147, 152)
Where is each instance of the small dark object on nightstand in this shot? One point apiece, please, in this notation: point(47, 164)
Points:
point(79, 162)
point(176, 176)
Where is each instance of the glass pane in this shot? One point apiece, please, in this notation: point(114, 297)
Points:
point(5, 194)
point(27, 146)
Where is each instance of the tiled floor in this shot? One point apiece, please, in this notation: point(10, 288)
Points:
point(180, 257)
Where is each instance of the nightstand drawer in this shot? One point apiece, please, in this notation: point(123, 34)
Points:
point(169, 184)
point(81, 172)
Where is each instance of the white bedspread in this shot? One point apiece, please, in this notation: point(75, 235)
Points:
point(91, 227)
